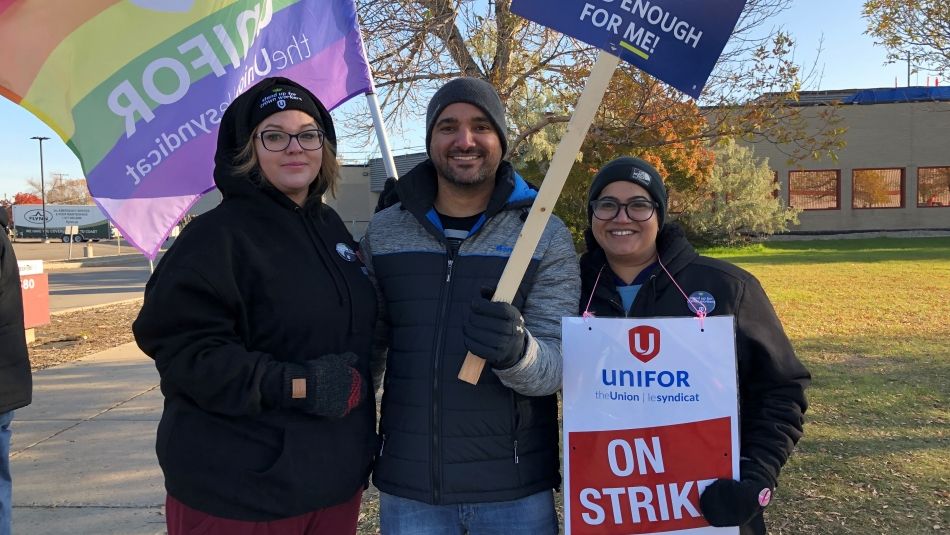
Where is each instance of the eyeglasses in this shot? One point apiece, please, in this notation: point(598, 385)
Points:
point(276, 141)
point(637, 209)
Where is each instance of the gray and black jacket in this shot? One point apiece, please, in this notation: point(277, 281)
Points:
point(445, 441)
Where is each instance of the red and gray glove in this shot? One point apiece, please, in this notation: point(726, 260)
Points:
point(727, 502)
point(327, 386)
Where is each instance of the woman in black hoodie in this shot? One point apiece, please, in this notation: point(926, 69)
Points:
point(637, 266)
point(260, 321)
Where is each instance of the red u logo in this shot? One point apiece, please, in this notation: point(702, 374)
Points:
point(644, 342)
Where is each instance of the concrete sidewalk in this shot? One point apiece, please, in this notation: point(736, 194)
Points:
point(83, 454)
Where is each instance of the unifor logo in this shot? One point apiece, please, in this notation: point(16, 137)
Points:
point(38, 216)
point(644, 342)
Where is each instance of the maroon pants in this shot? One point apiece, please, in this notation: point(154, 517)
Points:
point(338, 519)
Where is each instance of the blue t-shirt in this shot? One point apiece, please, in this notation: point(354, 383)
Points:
point(628, 292)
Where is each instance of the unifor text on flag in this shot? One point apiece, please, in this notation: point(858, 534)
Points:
point(137, 89)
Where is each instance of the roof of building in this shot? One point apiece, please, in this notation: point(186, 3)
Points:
point(880, 95)
point(404, 162)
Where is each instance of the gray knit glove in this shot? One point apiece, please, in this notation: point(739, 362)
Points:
point(326, 386)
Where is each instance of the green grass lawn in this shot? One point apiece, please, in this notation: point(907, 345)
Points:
point(871, 320)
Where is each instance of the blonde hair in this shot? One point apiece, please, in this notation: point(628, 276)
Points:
point(245, 163)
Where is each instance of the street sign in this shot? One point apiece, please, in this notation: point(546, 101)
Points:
point(34, 285)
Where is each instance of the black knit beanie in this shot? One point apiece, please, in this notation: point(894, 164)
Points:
point(635, 170)
point(246, 112)
point(283, 97)
point(472, 91)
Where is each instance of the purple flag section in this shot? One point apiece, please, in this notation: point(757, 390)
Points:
point(152, 176)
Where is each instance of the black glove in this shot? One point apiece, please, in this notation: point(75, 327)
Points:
point(326, 386)
point(727, 502)
point(495, 332)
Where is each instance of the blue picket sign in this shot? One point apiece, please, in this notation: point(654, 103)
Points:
point(676, 41)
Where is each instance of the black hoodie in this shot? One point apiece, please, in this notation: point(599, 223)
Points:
point(772, 380)
point(15, 380)
point(254, 284)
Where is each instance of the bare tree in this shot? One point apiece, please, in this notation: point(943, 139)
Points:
point(62, 190)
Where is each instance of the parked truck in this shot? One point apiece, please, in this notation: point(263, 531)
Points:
point(93, 225)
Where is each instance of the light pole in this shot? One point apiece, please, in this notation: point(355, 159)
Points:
point(41, 139)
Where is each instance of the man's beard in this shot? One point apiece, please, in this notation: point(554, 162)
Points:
point(486, 171)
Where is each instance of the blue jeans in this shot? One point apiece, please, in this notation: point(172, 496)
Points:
point(532, 515)
point(6, 484)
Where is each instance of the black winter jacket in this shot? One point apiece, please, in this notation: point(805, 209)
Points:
point(255, 283)
point(771, 380)
point(16, 385)
point(446, 441)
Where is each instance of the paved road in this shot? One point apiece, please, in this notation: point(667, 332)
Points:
point(106, 278)
point(90, 286)
point(34, 250)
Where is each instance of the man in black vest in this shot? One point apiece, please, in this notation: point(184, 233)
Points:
point(15, 381)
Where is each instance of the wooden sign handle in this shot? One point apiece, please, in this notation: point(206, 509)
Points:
point(551, 187)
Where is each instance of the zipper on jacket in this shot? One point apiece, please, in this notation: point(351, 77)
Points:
point(515, 420)
point(436, 406)
point(639, 297)
point(382, 444)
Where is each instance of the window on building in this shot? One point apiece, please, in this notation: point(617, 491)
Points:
point(877, 188)
point(933, 186)
point(814, 190)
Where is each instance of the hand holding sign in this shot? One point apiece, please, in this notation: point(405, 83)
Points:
point(547, 195)
point(662, 37)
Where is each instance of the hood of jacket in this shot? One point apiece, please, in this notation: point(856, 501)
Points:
point(235, 131)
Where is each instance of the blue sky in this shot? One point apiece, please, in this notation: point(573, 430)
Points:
point(849, 60)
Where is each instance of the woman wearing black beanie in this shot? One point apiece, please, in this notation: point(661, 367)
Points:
point(260, 319)
point(639, 265)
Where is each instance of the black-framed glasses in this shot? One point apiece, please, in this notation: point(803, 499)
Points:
point(637, 209)
point(276, 141)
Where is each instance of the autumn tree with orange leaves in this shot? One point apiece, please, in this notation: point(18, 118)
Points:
point(27, 198)
point(418, 45)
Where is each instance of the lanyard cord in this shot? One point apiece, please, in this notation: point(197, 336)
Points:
point(694, 304)
point(587, 313)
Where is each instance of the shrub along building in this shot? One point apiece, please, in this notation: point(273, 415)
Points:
point(893, 173)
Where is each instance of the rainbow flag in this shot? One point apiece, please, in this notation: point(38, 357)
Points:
point(137, 88)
